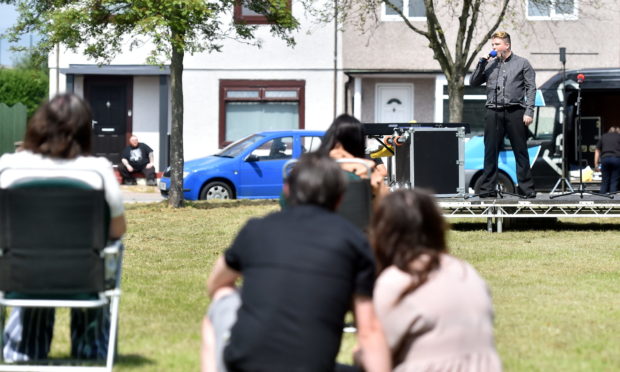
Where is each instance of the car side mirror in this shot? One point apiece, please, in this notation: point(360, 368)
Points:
point(251, 158)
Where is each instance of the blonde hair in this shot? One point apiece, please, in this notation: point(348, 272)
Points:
point(502, 35)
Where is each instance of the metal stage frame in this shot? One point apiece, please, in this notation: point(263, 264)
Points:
point(495, 210)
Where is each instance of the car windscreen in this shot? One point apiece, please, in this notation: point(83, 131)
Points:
point(237, 147)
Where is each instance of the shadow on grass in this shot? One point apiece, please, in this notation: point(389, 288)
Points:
point(536, 224)
point(210, 204)
point(127, 360)
point(132, 360)
point(207, 204)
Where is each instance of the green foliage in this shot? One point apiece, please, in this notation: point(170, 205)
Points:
point(29, 87)
point(32, 60)
point(100, 26)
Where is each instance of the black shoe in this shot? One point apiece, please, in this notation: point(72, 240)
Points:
point(531, 195)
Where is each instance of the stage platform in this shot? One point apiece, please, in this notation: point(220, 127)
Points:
point(495, 210)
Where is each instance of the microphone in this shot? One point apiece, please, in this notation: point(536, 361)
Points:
point(580, 78)
point(492, 54)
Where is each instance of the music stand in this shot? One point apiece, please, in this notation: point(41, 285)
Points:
point(564, 181)
point(581, 190)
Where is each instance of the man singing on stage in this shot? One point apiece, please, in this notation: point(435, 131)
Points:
point(511, 88)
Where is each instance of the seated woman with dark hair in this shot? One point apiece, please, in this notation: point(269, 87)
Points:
point(58, 137)
point(435, 309)
point(345, 139)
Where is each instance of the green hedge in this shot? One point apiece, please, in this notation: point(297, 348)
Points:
point(29, 87)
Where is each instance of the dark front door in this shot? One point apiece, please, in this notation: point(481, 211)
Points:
point(110, 101)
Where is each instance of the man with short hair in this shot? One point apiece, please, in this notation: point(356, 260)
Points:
point(511, 89)
point(302, 268)
point(137, 157)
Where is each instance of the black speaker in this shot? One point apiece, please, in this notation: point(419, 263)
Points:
point(432, 158)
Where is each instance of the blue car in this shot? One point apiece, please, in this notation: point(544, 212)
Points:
point(506, 175)
point(250, 168)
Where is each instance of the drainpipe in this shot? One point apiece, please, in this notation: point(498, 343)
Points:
point(57, 69)
point(335, 57)
point(347, 86)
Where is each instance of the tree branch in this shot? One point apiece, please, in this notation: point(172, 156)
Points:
point(487, 36)
point(459, 51)
point(438, 40)
point(405, 19)
point(472, 28)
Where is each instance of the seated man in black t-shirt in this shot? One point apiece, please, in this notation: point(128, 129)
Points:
point(137, 157)
point(302, 267)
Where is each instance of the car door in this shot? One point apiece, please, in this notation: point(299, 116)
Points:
point(261, 171)
point(309, 143)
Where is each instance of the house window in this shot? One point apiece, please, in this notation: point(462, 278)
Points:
point(250, 106)
point(551, 9)
point(410, 8)
point(243, 13)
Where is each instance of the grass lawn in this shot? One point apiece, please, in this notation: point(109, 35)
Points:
point(556, 287)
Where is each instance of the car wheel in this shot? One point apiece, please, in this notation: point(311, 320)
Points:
point(505, 183)
point(216, 190)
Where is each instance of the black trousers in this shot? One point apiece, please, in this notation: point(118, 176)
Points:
point(500, 122)
point(611, 174)
point(149, 173)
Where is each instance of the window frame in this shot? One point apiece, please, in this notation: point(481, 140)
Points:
point(552, 15)
point(238, 16)
point(395, 17)
point(262, 86)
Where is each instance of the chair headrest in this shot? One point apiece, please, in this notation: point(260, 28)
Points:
point(27, 177)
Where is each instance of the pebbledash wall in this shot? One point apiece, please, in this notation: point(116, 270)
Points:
point(310, 62)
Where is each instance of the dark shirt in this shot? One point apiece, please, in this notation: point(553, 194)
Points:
point(509, 83)
point(138, 156)
point(301, 267)
point(609, 145)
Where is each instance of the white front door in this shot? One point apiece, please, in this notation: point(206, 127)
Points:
point(394, 103)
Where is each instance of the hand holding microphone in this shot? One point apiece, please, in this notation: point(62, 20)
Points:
point(492, 54)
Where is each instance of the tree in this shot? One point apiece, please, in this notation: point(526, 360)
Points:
point(26, 86)
point(469, 41)
point(173, 27)
point(31, 59)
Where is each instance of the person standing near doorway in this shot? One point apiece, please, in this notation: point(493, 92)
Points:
point(137, 157)
point(511, 89)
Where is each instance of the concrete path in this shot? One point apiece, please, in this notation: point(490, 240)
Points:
point(141, 194)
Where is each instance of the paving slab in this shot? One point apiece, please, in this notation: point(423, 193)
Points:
point(141, 194)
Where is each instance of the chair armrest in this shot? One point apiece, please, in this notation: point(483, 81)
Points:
point(112, 257)
point(114, 247)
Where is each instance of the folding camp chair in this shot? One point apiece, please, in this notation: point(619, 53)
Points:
point(54, 251)
point(356, 204)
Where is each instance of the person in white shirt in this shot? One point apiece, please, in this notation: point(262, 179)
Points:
point(58, 137)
